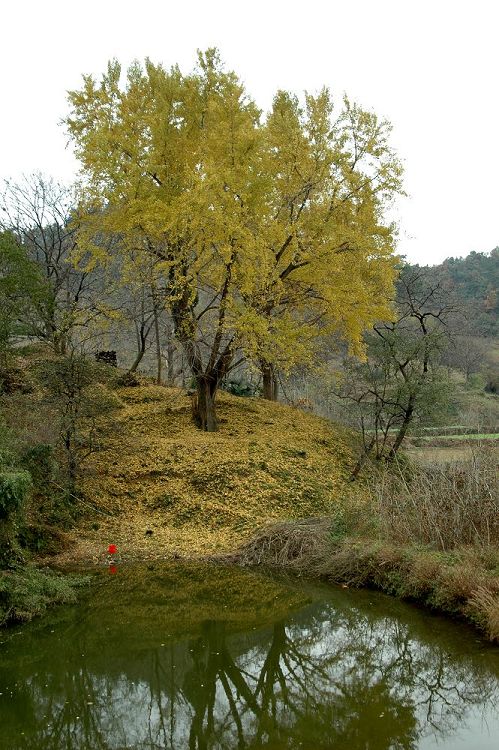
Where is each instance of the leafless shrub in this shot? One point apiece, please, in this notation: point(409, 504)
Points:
point(442, 505)
point(294, 544)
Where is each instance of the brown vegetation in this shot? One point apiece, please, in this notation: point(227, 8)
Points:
point(431, 538)
point(444, 506)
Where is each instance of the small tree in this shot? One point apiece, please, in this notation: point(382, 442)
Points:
point(401, 382)
point(467, 354)
point(40, 214)
point(73, 391)
point(21, 288)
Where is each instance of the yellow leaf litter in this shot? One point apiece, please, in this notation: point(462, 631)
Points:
point(161, 488)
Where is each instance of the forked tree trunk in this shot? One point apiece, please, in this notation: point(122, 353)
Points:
point(138, 359)
point(269, 382)
point(361, 460)
point(409, 413)
point(203, 404)
point(142, 334)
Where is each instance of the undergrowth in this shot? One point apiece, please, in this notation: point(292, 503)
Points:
point(441, 505)
point(26, 592)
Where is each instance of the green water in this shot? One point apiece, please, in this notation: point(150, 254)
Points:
point(209, 657)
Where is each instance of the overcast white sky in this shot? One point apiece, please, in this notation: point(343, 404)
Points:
point(431, 68)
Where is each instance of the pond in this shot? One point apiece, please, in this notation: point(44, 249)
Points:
point(199, 656)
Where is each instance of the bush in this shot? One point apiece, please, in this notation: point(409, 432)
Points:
point(26, 593)
point(39, 461)
point(13, 489)
point(14, 486)
point(492, 384)
point(13, 378)
point(127, 380)
point(241, 388)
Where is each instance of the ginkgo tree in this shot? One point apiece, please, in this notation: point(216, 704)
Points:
point(268, 231)
point(328, 252)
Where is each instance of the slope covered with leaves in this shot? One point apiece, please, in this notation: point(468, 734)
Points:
point(162, 487)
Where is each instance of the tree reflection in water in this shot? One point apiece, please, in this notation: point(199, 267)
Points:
point(330, 675)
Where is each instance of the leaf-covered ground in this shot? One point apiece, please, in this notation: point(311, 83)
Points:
point(164, 488)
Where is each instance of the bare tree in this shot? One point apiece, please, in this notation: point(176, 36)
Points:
point(42, 216)
point(401, 381)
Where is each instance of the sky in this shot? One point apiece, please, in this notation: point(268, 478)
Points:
point(430, 68)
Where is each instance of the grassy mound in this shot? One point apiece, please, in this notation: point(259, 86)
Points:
point(163, 486)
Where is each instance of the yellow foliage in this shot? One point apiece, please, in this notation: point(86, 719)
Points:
point(280, 221)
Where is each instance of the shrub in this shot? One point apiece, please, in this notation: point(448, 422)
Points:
point(26, 593)
point(441, 505)
point(14, 486)
point(13, 489)
point(39, 461)
point(241, 388)
point(127, 380)
point(79, 399)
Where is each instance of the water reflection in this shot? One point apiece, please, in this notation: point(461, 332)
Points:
point(337, 672)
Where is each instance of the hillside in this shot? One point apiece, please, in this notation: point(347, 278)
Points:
point(161, 487)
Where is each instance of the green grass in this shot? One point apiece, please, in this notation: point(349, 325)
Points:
point(465, 436)
point(446, 427)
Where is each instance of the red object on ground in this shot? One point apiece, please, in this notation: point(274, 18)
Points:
point(112, 549)
point(113, 569)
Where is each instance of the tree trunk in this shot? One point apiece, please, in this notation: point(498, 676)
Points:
point(203, 404)
point(170, 359)
point(72, 460)
point(403, 429)
point(59, 342)
point(361, 461)
point(158, 348)
point(270, 385)
point(140, 354)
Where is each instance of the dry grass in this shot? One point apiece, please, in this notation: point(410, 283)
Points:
point(485, 606)
point(441, 505)
point(298, 544)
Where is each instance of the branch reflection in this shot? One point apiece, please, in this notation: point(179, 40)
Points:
point(330, 675)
